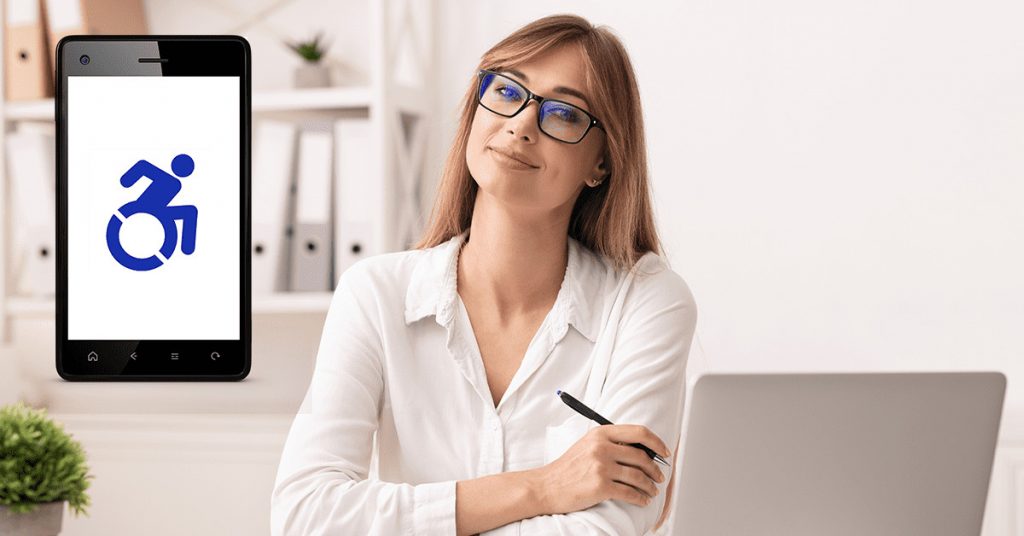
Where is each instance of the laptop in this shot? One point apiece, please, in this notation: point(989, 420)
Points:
point(838, 454)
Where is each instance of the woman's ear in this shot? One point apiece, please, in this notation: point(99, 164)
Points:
point(598, 174)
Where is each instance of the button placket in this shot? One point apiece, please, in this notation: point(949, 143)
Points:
point(492, 444)
point(497, 443)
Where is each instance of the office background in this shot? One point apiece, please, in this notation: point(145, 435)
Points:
point(838, 183)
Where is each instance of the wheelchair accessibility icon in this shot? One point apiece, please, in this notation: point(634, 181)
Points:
point(155, 201)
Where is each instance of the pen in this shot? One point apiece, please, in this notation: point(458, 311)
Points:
point(582, 409)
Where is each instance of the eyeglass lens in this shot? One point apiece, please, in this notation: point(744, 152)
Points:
point(504, 96)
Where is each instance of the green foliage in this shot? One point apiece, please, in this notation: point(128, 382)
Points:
point(311, 50)
point(39, 462)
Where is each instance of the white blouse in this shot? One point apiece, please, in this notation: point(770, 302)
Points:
point(399, 407)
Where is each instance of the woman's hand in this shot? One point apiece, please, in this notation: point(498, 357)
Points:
point(600, 466)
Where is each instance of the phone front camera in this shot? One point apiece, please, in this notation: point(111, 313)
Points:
point(84, 60)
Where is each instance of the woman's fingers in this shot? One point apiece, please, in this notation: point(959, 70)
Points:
point(636, 478)
point(635, 457)
point(635, 433)
point(627, 493)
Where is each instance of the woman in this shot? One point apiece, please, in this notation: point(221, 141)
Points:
point(539, 271)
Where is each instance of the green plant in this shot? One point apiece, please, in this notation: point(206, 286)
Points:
point(311, 50)
point(39, 462)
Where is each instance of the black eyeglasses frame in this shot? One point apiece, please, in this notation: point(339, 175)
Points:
point(531, 96)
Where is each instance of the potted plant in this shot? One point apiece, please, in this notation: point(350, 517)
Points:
point(41, 467)
point(312, 72)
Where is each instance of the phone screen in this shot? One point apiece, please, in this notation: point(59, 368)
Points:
point(153, 224)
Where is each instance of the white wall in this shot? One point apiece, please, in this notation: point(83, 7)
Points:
point(837, 182)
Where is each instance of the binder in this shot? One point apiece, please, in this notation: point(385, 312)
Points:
point(272, 173)
point(311, 240)
point(357, 194)
point(27, 69)
point(92, 17)
point(31, 157)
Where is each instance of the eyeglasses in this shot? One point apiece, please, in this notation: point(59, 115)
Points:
point(562, 121)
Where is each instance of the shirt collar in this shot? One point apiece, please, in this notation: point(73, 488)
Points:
point(432, 288)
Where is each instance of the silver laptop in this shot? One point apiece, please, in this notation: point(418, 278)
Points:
point(838, 454)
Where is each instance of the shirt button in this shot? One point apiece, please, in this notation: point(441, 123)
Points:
point(495, 426)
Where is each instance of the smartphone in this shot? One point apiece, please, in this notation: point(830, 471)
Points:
point(153, 207)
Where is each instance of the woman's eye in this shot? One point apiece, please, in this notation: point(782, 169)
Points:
point(508, 92)
point(566, 114)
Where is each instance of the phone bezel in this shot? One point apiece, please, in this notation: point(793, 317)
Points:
point(117, 55)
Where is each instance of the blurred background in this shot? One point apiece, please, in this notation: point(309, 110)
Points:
point(838, 183)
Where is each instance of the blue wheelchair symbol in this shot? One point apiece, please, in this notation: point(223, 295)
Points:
point(155, 200)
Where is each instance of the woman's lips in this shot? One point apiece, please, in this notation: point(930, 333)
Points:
point(509, 161)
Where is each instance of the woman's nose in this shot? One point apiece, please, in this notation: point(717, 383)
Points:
point(524, 124)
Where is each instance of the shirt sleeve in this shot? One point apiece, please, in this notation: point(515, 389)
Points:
point(646, 384)
point(322, 485)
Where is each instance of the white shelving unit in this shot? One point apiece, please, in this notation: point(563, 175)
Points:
point(398, 115)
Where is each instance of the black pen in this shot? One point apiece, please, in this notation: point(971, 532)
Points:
point(582, 409)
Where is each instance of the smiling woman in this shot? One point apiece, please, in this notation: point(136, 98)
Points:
point(584, 66)
point(539, 271)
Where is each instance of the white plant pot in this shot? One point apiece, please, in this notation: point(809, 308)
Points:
point(44, 520)
point(312, 75)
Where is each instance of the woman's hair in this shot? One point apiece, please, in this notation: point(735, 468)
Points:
point(615, 218)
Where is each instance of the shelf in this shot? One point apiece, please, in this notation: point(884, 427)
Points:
point(330, 98)
point(38, 110)
point(292, 302)
point(280, 303)
point(30, 306)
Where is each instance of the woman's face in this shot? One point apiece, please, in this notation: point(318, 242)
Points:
point(549, 174)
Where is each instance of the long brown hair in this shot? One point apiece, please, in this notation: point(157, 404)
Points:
point(615, 218)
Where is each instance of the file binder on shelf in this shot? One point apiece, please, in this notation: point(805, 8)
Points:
point(31, 157)
point(27, 67)
point(356, 194)
point(273, 144)
point(311, 239)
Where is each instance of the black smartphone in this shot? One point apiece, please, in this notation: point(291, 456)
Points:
point(153, 207)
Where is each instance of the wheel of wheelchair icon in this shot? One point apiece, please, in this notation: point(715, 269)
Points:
point(126, 259)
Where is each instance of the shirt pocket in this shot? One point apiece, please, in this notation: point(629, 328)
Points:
point(558, 439)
